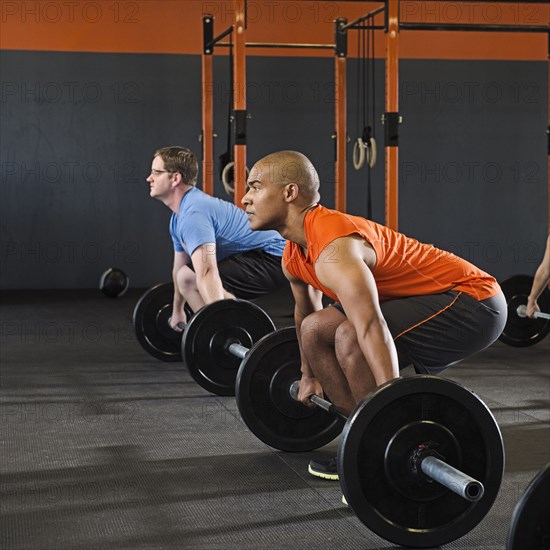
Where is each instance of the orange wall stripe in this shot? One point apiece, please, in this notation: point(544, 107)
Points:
point(174, 26)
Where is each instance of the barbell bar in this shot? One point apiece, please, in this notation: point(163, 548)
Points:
point(463, 485)
point(435, 468)
point(522, 312)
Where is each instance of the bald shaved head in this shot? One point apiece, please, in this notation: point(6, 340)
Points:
point(282, 188)
point(286, 167)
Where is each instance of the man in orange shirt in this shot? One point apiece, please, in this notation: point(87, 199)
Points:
point(397, 301)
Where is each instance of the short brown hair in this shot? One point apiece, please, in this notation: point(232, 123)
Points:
point(182, 160)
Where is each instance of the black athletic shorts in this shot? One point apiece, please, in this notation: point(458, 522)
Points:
point(436, 331)
point(251, 274)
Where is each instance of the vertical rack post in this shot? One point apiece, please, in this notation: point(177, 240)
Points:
point(239, 103)
point(391, 116)
point(207, 135)
point(340, 106)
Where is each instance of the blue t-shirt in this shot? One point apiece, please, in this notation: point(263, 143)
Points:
point(204, 219)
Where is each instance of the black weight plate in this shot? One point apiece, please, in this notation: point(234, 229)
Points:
point(523, 331)
point(151, 324)
point(264, 400)
point(465, 433)
point(208, 334)
point(530, 525)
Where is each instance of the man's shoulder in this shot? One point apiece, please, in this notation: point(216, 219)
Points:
point(196, 202)
point(320, 216)
point(333, 223)
point(200, 200)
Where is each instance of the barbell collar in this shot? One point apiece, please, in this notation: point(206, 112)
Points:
point(463, 485)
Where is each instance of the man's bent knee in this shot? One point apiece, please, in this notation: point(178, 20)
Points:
point(346, 344)
point(319, 328)
point(186, 280)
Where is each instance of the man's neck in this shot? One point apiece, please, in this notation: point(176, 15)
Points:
point(174, 201)
point(294, 230)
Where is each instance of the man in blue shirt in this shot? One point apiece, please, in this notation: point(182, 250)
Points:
point(216, 255)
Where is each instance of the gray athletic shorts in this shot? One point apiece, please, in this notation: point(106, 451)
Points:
point(436, 331)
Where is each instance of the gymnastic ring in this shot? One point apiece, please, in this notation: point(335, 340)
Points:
point(371, 152)
point(225, 175)
point(358, 154)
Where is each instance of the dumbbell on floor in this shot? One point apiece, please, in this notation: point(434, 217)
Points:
point(396, 442)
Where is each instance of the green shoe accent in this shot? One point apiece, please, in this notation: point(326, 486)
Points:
point(324, 468)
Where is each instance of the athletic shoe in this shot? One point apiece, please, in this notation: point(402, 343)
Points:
point(324, 467)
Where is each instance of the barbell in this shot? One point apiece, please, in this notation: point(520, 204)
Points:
point(420, 460)
point(423, 458)
point(213, 340)
point(520, 330)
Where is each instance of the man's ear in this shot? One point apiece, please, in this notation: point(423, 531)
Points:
point(291, 192)
point(176, 179)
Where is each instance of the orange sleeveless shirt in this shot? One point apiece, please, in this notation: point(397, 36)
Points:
point(404, 267)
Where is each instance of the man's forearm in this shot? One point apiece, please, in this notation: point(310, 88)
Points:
point(210, 287)
point(379, 350)
point(178, 298)
point(298, 319)
point(540, 282)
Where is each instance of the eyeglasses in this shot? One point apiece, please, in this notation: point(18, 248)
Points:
point(155, 172)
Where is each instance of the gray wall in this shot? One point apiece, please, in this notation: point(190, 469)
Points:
point(78, 131)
